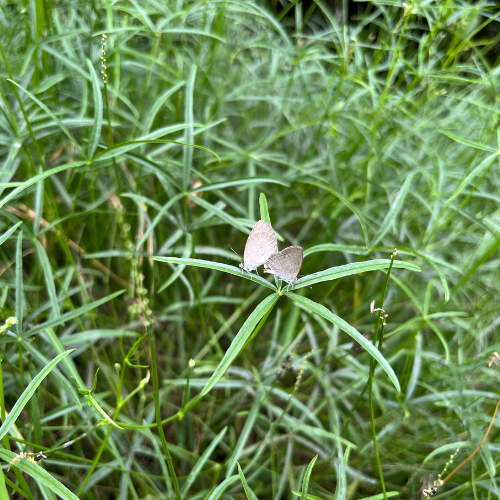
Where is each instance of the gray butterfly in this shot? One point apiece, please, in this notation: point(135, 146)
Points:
point(286, 264)
point(261, 244)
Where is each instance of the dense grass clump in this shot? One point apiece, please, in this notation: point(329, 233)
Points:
point(139, 139)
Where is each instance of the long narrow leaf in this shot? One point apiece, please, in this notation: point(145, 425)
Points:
point(28, 392)
point(239, 341)
point(197, 469)
point(7, 233)
point(39, 474)
point(19, 283)
point(225, 268)
point(236, 346)
point(39, 177)
point(158, 218)
point(248, 491)
point(188, 118)
point(124, 147)
point(348, 204)
point(219, 491)
point(334, 273)
point(72, 314)
point(49, 277)
point(333, 247)
point(466, 142)
point(322, 311)
point(98, 108)
point(219, 213)
point(245, 181)
point(391, 215)
point(307, 477)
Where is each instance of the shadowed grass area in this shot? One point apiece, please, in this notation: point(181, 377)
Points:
point(139, 140)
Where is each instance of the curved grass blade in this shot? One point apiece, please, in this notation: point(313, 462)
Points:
point(264, 211)
point(485, 164)
point(333, 247)
point(49, 277)
point(244, 181)
point(189, 119)
point(245, 433)
point(160, 101)
point(322, 311)
point(236, 346)
point(197, 469)
point(219, 213)
point(3, 488)
point(39, 474)
point(99, 409)
point(240, 340)
point(124, 147)
point(225, 268)
point(307, 477)
point(51, 114)
point(466, 142)
point(218, 492)
point(334, 273)
point(393, 211)
point(72, 314)
point(28, 392)
point(157, 219)
point(188, 249)
point(39, 177)
point(347, 203)
point(96, 129)
point(248, 491)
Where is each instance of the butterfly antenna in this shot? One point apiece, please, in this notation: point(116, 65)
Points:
point(234, 251)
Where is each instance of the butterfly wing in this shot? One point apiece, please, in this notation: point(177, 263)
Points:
point(261, 244)
point(286, 264)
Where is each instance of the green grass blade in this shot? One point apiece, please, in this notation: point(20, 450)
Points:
point(3, 488)
point(245, 181)
point(198, 468)
point(221, 214)
point(39, 474)
point(49, 277)
point(28, 392)
point(7, 233)
point(466, 142)
point(72, 314)
point(322, 311)
point(219, 491)
point(334, 273)
point(333, 247)
point(264, 211)
point(189, 119)
point(124, 147)
point(236, 346)
point(158, 218)
point(104, 415)
point(98, 111)
point(348, 204)
point(485, 164)
point(307, 477)
point(51, 114)
point(19, 283)
point(248, 491)
point(39, 177)
point(393, 211)
point(244, 434)
point(225, 268)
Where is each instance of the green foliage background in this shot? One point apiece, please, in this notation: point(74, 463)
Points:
point(361, 136)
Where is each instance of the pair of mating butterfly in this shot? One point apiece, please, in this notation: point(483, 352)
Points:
point(262, 249)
